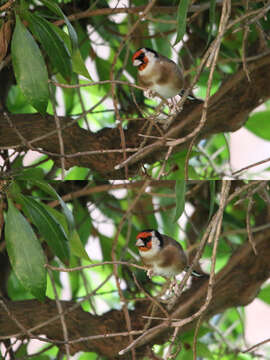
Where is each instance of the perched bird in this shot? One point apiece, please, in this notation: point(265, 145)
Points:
point(159, 74)
point(162, 255)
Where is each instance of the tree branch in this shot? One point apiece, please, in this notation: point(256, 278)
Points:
point(237, 284)
point(101, 151)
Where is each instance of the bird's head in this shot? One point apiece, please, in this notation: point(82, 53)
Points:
point(142, 57)
point(149, 241)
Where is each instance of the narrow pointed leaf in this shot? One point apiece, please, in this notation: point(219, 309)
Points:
point(51, 42)
point(29, 67)
point(25, 252)
point(77, 247)
point(180, 190)
point(181, 20)
point(57, 10)
point(258, 123)
point(48, 227)
point(78, 65)
point(43, 185)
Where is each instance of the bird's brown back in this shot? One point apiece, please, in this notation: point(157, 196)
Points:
point(173, 253)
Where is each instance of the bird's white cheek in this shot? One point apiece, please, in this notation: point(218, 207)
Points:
point(149, 70)
point(137, 62)
point(149, 253)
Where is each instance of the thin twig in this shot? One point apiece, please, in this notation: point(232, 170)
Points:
point(154, 301)
point(194, 345)
point(170, 355)
point(244, 41)
point(248, 224)
point(62, 317)
point(251, 165)
point(256, 345)
point(59, 134)
point(7, 5)
point(17, 322)
point(78, 268)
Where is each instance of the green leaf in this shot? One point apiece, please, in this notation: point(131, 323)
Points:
point(17, 102)
point(106, 247)
point(16, 291)
point(259, 124)
point(82, 218)
point(51, 42)
point(203, 351)
point(88, 356)
point(74, 276)
point(32, 173)
point(43, 185)
point(181, 20)
point(76, 246)
point(264, 294)
point(77, 173)
point(180, 190)
point(48, 227)
point(29, 67)
point(78, 64)
point(25, 252)
point(53, 6)
point(64, 36)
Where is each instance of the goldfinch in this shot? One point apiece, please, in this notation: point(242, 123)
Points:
point(159, 74)
point(162, 255)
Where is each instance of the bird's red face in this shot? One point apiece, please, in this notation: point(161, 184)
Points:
point(144, 241)
point(140, 59)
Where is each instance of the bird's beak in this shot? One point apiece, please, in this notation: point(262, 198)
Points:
point(137, 62)
point(139, 243)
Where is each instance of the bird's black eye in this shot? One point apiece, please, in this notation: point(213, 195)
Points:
point(140, 57)
point(146, 240)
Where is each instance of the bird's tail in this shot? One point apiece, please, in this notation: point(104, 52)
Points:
point(197, 274)
point(189, 97)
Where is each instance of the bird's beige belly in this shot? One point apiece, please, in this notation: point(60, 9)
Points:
point(167, 271)
point(165, 91)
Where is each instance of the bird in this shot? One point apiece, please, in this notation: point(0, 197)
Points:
point(163, 255)
point(159, 74)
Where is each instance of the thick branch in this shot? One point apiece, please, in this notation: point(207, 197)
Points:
point(237, 284)
point(228, 111)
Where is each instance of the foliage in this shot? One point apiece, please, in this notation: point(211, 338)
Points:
point(57, 46)
point(104, 219)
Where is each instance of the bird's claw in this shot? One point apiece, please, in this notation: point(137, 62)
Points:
point(174, 108)
point(174, 286)
point(149, 93)
point(150, 273)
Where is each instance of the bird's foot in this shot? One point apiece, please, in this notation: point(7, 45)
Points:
point(149, 93)
point(174, 108)
point(150, 273)
point(174, 287)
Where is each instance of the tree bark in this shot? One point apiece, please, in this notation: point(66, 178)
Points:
point(237, 284)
